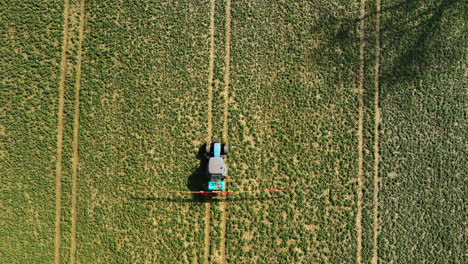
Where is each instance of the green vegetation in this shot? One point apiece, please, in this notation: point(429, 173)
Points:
point(424, 107)
point(293, 107)
point(293, 125)
point(143, 119)
point(29, 67)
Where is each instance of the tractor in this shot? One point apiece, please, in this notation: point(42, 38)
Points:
point(216, 173)
point(217, 169)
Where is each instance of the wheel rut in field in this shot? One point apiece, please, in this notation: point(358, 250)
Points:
point(60, 126)
point(360, 176)
point(210, 124)
point(207, 231)
point(227, 72)
point(76, 127)
point(211, 72)
point(377, 121)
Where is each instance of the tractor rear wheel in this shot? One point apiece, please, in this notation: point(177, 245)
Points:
point(225, 149)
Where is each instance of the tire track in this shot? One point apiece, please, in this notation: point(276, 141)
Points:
point(210, 124)
point(207, 231)
point(227, 80)
point(76, 127)
point(227, 71)
point(211, 71)
point(360, 177)
point(58, 172)
point(377, 121)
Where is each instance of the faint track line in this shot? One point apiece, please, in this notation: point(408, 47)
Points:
point(227, 80)
point(227, 72)
point(211, 71)
point(360, 177)
point(210, 124)
point(76, 127)
point(377, 121)
point(58, 173)
point(207, 231)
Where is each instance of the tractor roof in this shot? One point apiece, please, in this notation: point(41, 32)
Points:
point(216, 165)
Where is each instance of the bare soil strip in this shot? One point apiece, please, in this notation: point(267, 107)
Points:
point(76, 127)
point(360, 135)
point(227, 71)
point(223, 207)
point(207, 231)
point(58, 173)
point(211, 71)
point(227, 75)
point(210, 124)
point(377, 120)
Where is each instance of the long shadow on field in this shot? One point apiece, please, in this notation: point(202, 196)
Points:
point(195, 182)
point(413, 27)
point(412, 34)
point(415, 35)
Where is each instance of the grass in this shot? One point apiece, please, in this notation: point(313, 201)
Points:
point(293, 111)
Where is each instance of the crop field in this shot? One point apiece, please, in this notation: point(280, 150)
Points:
point(360, 107)
point(424, 139)
point(30, 72)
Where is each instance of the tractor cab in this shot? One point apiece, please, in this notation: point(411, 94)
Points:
point(217, 169)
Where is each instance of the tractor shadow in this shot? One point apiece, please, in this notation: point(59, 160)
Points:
point(198, 180)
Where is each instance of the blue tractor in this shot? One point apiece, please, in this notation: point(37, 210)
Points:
point(217, 169)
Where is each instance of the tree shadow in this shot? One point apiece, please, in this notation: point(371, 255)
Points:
point(414, 38)
point(409, 32)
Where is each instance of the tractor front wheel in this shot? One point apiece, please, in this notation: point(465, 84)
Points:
point(208, 148)
point(225, 149)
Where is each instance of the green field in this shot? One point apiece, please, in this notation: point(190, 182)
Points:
point(30, 72)
point(424, 149)
point(359, 106)
point(292, 126)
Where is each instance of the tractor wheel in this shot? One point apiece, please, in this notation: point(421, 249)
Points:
point(208, 148)
point(225, 149)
